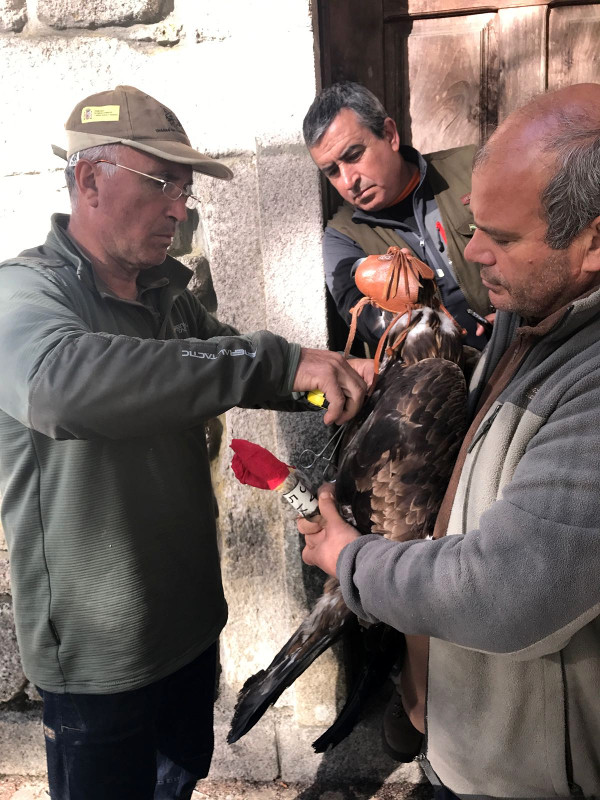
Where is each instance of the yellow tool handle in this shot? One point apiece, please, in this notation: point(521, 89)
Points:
point(317, 399)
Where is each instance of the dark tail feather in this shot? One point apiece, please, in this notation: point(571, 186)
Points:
point(383, 647)
point(316, 633)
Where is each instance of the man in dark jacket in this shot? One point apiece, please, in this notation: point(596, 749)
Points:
point(508, 588)
point(392, 196)
point(109, 368)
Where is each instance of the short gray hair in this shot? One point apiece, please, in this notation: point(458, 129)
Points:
point(571, 199)
point(108, 151)
point(328, 104)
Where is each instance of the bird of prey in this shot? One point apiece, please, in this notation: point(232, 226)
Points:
point(395, 463)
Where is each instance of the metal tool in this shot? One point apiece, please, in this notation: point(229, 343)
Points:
point(309, 460)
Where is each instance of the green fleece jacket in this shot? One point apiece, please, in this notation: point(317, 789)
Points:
point(107, 500)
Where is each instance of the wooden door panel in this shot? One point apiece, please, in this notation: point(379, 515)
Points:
point(399, 8)
point(521, 56)
point(351, 42)
point(434, 78)
point(573, 45)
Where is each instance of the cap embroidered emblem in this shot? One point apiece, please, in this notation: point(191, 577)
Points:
point(100, 113)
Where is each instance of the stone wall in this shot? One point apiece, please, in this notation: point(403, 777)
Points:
point(240, 75)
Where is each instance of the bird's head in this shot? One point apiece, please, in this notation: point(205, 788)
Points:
point(425, 332)
point(419, 326)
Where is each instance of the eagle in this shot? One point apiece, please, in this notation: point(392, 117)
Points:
point(395, 462)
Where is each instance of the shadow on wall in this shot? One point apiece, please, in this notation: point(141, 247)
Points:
point(182, 248)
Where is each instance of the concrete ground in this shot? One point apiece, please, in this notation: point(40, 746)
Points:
point(17, 788)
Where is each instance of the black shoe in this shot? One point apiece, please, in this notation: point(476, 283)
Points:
point(401, 740)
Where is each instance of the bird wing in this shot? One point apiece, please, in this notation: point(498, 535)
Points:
point(317, 632)
point(397, 461)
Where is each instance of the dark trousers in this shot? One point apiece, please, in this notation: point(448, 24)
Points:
point(152, 743)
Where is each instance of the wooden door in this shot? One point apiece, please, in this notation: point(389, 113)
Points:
point(449, 70)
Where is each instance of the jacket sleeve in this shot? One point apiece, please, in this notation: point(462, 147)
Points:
point(207, 325)
point(527, 579)
point(68, 382)
point(339, 256)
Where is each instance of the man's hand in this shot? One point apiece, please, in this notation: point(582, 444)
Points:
point(330, 373)
point(365, 368)
point(325, 535)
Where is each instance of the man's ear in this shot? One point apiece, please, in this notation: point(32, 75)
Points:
point(591, 260)
point(390, 132)
point(85, 177)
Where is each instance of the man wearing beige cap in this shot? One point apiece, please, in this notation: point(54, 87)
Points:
point(110, 367)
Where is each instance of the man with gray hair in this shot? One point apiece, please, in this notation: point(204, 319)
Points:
point(110, 367)
point(508, 589)
point(392, 196)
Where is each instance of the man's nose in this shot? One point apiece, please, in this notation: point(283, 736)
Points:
point(478, 249)
point(178, 209)
point(348, 175)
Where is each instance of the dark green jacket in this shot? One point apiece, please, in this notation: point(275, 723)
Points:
point(107, 501)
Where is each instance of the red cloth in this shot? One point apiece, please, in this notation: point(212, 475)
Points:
point(256, 466)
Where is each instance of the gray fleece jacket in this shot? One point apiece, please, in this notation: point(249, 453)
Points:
point(107, 500)
point(511, 596)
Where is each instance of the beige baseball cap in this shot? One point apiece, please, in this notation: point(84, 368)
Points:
point(131, 117)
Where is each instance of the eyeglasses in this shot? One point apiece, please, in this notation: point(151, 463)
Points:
point(170, 190)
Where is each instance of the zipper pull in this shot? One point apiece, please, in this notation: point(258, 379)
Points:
point(485, 427)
